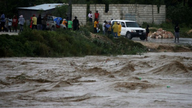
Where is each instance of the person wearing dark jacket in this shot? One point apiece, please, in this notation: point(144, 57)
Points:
point(44, 22)
point(176, 33)
point(75, 24)
point(39, 23)
point(147, 32)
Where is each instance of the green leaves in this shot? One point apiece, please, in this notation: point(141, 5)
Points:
point(61, 11)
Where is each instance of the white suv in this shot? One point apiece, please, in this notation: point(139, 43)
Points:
point(131, 29)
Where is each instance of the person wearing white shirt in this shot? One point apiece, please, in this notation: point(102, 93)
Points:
point(9, 23)
point(104, 28)
point(90, 15)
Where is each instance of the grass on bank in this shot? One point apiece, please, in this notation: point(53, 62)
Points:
point(62, 43)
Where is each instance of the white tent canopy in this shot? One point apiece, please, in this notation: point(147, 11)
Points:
point(43, 6)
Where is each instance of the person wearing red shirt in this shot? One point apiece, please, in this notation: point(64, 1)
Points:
point(14, 23)
point(97, 15)
point(31, 22)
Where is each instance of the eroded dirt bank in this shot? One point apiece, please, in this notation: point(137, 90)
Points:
point(165, 47)
point(151, 80)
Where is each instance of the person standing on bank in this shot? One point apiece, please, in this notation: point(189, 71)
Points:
point(177, 33)
point(39, 22)
point(147, 32)
point(34, 20)
point(115, 29)
point(90, 15)
point(14, 23)
point(44, 22)
point(108, 28)
point(70, 24)
point(21, 22)
point(9, 23)
point(97, 15)
point(64, 23)
point(104, 27)
point(67, 19)
point(95, 25)
point(2, 22)
point(75, 24)
point(119, 29)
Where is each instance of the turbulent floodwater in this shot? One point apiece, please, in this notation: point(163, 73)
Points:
point(152, 80)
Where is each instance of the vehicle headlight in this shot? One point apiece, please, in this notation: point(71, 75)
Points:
point(133, 30)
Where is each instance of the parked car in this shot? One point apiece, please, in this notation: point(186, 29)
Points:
point(131, 29)
point(50, 23)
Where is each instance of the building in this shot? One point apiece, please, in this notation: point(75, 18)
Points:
point(137, 12)
point(44, 9)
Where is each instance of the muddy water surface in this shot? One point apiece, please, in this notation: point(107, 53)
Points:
point(152, 80)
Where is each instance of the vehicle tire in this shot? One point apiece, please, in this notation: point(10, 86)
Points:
point(142, 37)
point(52, 28)
point(128, 35)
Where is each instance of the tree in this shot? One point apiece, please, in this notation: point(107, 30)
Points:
point(61, 11)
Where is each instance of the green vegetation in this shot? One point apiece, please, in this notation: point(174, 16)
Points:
point(62, 43)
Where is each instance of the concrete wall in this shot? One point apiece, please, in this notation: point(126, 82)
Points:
point(79, 10)
point(138, 12)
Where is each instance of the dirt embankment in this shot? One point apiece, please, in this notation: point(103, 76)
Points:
point(155, 47)
point(165, 47)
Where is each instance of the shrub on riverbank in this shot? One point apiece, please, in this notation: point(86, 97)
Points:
point(62, 43)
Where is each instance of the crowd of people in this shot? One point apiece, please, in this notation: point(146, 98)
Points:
point(39, 23)
point(12, 24)
point(115, 29)
point(107, 27)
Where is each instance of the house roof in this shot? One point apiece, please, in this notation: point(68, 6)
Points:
point(43, 6)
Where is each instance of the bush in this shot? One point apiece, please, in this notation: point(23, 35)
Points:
point(59, 43)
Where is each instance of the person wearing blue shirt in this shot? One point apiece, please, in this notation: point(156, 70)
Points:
point(2, 22)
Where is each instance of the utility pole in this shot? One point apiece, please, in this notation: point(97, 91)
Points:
point(136, 11)
point(95, 5)
point(70, 9)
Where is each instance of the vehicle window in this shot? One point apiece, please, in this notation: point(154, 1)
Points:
point(49, 19)
point(132, 24)
point(122, 24)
